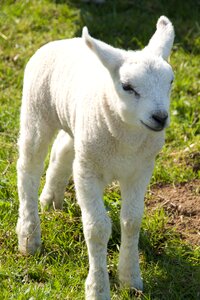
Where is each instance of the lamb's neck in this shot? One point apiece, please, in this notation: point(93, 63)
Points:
point(121, 131)
point(127, 136)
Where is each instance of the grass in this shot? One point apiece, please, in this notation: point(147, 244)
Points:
point(171, 268)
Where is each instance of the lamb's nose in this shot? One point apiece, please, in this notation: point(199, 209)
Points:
point(160, 116)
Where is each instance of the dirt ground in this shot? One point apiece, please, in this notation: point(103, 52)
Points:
point(182, 205)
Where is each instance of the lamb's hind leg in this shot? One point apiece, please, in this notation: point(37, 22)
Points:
point(59, 170)
point(33, 145)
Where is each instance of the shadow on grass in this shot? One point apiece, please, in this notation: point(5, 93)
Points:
point(169, 267)
point(173, 272)
point(130, 24)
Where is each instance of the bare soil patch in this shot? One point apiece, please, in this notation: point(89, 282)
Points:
point(182, 204)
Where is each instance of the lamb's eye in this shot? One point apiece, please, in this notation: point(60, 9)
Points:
point(128, 88)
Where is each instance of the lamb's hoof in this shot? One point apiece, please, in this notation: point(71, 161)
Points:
point(29, 246)
point(136, 284)
point(97, 288)
point(45, 206)
point(48, 201)
point(29, 243)
point(97, 296)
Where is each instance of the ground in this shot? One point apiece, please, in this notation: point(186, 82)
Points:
point(182, 204)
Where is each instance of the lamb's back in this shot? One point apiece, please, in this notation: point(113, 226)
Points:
point(63, 75)
point(65, 61)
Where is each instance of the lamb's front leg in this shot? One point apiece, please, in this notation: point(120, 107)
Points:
point(131, 216)
point(97, 229)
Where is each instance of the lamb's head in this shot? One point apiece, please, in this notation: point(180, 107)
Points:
point(142, 79)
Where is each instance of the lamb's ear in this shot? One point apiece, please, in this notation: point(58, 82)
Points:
point(112, 58)
point(162, 41)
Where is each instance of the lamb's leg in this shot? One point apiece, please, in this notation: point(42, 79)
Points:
point(97, 229)
point(59, 170)
point(33, 146)
point(131, 216)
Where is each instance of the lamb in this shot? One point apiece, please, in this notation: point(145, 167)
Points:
point(110, 108)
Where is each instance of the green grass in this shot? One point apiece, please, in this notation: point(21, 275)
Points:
point(171, 268)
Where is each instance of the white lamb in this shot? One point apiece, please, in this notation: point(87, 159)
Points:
point(111, 107)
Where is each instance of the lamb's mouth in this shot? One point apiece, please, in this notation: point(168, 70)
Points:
point(157, 128)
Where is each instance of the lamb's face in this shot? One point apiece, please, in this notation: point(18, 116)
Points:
point(142, 79)
point(143, 87)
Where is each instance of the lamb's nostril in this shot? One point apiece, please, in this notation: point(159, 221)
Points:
point(160, 116)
